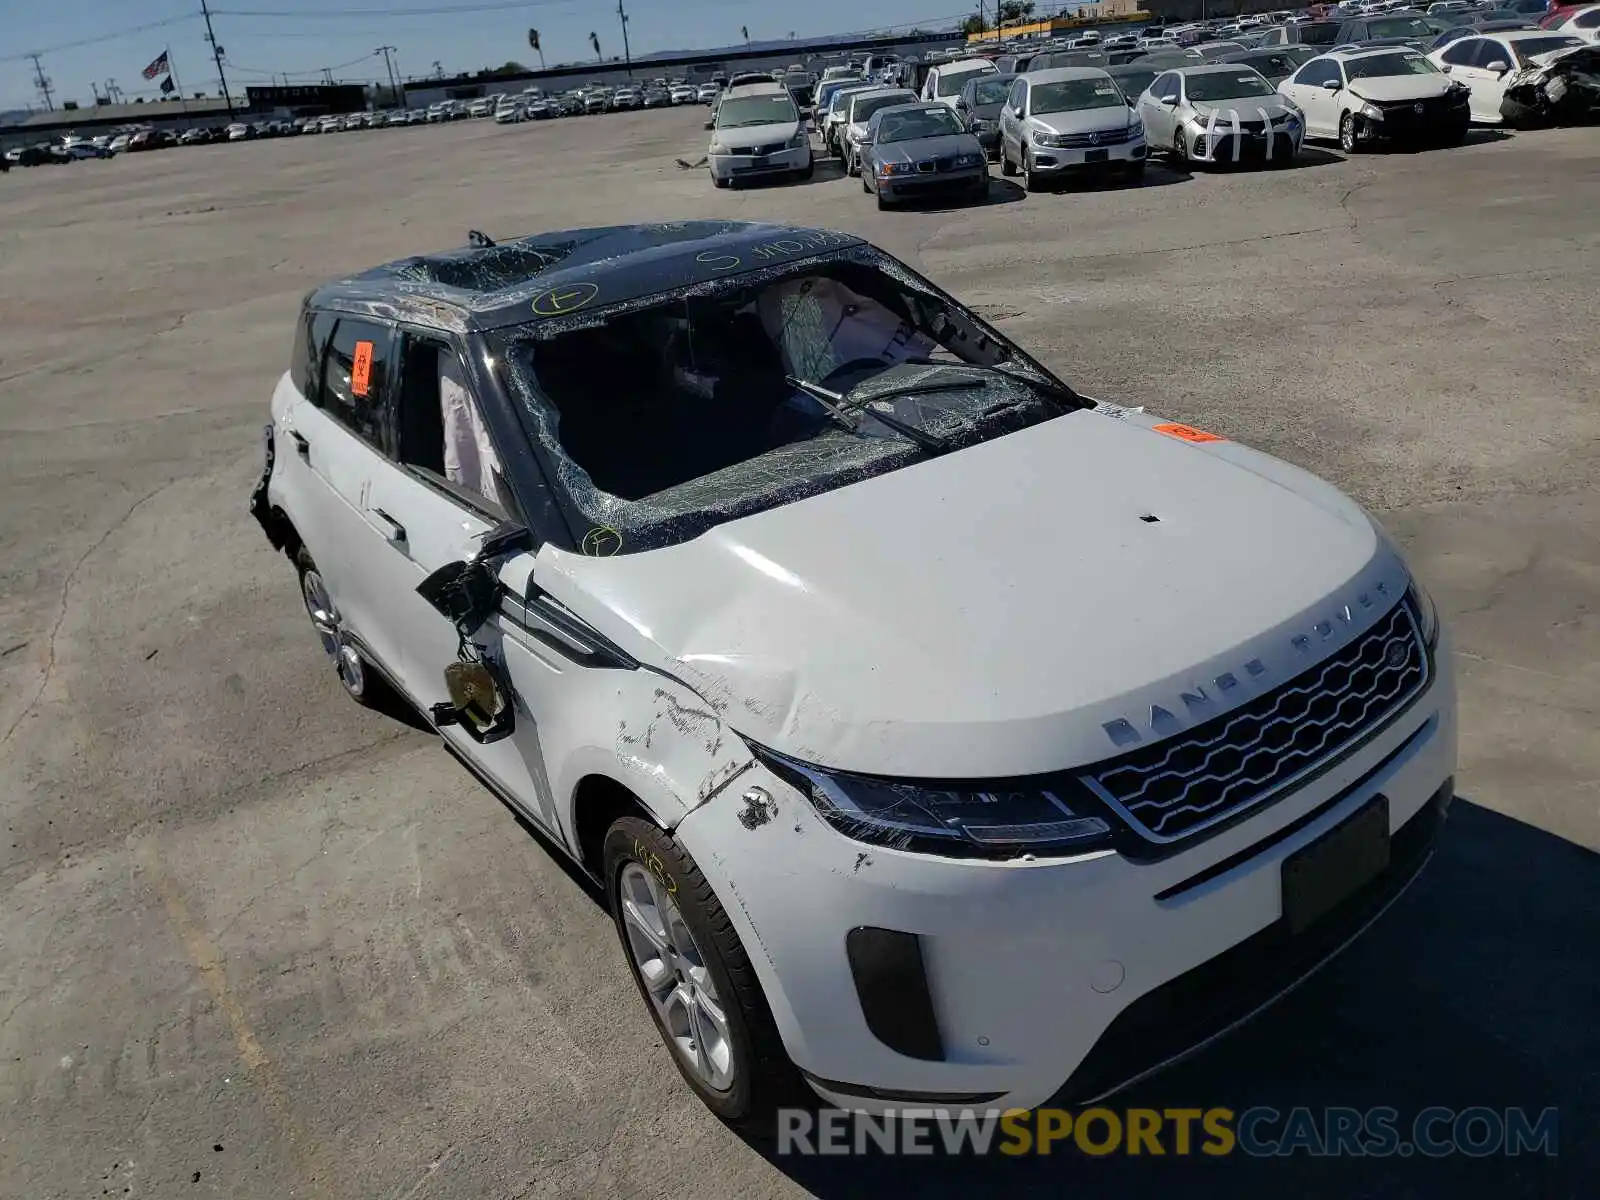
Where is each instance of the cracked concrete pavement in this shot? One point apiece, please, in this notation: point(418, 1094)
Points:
point(254, 932)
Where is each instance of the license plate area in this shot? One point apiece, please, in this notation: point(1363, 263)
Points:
point(1318, 877)
point(1094, 156)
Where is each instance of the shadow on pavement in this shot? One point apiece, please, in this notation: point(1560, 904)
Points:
point(1479, 988)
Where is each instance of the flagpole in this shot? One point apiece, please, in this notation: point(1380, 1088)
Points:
point(172, 70)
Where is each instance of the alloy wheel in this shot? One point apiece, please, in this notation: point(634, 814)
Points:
point(675, 977)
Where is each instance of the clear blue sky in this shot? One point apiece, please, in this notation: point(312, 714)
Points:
point(302, 36)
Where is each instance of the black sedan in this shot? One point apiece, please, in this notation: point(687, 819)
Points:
point(979, 106)
point(1276, 63)
point(917, 150)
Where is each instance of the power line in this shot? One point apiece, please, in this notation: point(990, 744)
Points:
point(101, 37)
point(432, 10)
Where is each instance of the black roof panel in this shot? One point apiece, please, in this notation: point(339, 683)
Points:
point(556, 274)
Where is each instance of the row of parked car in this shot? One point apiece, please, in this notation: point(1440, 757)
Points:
point(1061, 115)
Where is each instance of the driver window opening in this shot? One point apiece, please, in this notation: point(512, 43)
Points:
point(441, 431)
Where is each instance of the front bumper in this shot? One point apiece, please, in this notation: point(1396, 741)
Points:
point(1048, 160)
point(961, 181)
point(753, 166)
point(1060, 978)
point(1219, 144)
point(1424, 123)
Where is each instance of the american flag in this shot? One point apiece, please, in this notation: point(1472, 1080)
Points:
point(158, 67)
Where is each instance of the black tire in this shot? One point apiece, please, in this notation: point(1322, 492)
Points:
point(1007, 167)
point(763, 1078)
point(1348, 141)
point(1031, 180)
point(1180, 149)
point(721, 183)
point(851, 166)
point(883, 205)
point(865, 187)
point(807, 171)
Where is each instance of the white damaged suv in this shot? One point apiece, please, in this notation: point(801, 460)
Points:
point(939, 737)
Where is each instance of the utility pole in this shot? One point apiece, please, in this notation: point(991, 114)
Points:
point(327, 76)
point(394, 86)
point(216, 53)
point(41, 82)
point(626, 57)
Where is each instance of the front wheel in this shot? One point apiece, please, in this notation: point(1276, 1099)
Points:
point(694, 975)
point(1007, 168)
point(1180, 151)
point(807, 171)
point(1031, 179)
point(1348, 141)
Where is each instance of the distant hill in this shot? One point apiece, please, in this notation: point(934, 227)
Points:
point(15, 117)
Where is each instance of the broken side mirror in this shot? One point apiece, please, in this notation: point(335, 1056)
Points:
point(480, 701)
point(464, 592)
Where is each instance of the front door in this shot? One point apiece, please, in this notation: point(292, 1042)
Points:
point(443, 490)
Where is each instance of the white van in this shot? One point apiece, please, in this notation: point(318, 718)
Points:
point(944, 82)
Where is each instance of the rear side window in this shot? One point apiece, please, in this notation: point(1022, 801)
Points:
point(355, 377)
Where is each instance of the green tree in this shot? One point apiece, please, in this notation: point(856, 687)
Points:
point(1015, 12)
point(974, 24)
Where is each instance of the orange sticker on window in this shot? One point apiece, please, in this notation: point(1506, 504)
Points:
point(361, 369)
point(1188, 433)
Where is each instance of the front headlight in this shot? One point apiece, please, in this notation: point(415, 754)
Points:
point(717, 148)
point(798, 141)
point(898, 168)
point(1372, 112)
point(1049, 139)
point(1135, 130)
point(963, 822)
point(1427, 612)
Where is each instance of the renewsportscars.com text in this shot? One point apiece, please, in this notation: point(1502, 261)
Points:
point(1261, 1132)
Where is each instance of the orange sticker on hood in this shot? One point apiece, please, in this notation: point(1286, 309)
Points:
point(1188, 433)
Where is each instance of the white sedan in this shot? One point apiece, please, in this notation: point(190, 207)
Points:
point(1585, 24)
point(1488, 64)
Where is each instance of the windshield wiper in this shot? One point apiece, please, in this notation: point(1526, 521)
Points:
point(841, 411)
point(1036, 383)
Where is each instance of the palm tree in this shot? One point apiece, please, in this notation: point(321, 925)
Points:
point(594, 40)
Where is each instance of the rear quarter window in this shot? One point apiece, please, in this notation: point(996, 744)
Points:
point(305, 360)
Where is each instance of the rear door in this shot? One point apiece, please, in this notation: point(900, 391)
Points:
point(340, 434)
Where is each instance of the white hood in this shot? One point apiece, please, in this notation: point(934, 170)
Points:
point(1387, 89)
point(987, 612)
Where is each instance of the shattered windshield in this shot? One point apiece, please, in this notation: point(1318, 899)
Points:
point(663, 418)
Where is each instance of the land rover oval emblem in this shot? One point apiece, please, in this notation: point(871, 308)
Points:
point(1396, 655)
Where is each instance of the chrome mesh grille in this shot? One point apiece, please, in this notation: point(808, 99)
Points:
point(1177, 786)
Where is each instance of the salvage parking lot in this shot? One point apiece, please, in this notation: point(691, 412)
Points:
point(260, 942)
